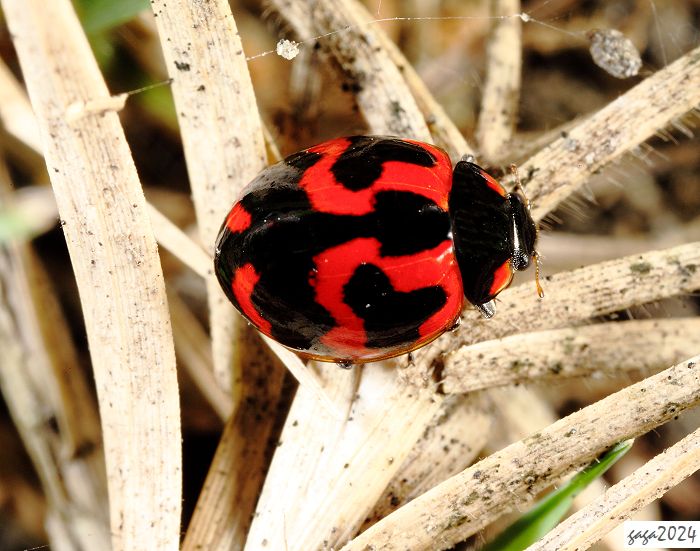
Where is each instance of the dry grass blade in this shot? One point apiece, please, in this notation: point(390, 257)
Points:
point(628, 496)
point(117, 269)
point(607, 349)
point(19, 121)
point(566, 251)
point(193, 350)
point(306, 375)
point(520, 412)
point(221, 133)
point(502, 88)
point(444, 131)
point(382, 94)
point(449, 444)
point(563, 166)
point(600, 289)
point(179, 244)
point(327, 473)
point(15, 110)
point(49, 400)
point(225, 506)
point(68, 460)
point(467, 502)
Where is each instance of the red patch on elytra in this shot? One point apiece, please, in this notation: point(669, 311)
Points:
point(431, 267)
point(501, 278)
point(244, 280)
point(493, 183)
point(238, 219)
point(328, 195)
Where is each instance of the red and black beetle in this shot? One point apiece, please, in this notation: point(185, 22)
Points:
point(362, 248)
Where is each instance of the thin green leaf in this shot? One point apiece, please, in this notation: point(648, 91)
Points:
point(101, 15)
point(549, 511)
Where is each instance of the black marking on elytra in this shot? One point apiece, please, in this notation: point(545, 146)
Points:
point(407, 223)
point(284, 289)
point(481, 230)
point(303, 160)
point(285, 235)
point(391, 318)
point(225, 263)
point(361, 164)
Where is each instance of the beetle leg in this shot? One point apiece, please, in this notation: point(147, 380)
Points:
point(487, 309)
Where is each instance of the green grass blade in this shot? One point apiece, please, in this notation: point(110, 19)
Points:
point(549, 511)
point(101, 15)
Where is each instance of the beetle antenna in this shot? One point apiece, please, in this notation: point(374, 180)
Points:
point(540, 290)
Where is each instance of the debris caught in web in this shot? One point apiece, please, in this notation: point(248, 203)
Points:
point(288, 49)
point(614, 52)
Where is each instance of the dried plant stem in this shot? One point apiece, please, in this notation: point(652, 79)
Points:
point(599, 289)
point(15, 110)
point(193, 350)
point(572, 250)
point(180, 244)
point(117, 270)
point(625, 498)
point(501, 91)
point(225, 506)
point(518, 412)
point(306, 375)
point(606, 349)
point(221, 133)
point(382, 94)
point(443, 130)
point(327, 473)
point(467, 502)
point(19, 120)
point(402, 103)
point(449, 444)
point(563, 166)
point(41, 386)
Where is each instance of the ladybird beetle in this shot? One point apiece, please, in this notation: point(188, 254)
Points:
point(363, 248)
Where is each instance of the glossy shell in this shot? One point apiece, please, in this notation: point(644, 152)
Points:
point(344, 251)
point(493, 232)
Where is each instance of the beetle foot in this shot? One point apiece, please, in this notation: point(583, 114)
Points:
point(487, 309)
